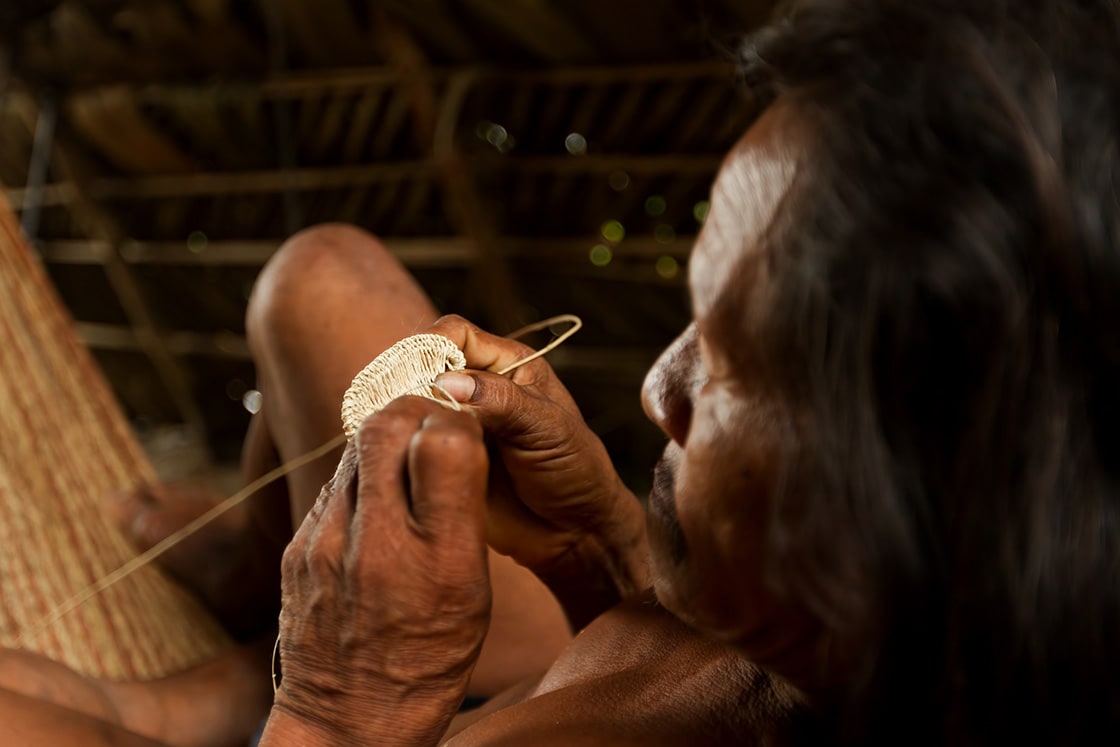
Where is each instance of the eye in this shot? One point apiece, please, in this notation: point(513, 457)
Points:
point(711, 365)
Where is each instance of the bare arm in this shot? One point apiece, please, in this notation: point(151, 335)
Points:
point(32, 722)
point(219, 703)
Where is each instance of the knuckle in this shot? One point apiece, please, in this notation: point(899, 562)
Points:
point(452, 325)
point(292, 561)
point(323, 563)
point(398, 417)
point(442, 417)
point(522, 350)
point(452, 320)
point(447, 441)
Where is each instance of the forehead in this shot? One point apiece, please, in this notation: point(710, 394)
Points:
point(748, 189)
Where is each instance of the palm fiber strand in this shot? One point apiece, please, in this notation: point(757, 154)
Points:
point(65, 448)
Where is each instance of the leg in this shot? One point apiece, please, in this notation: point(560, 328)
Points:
point(329, 301)
point(43, 700)
point(326, 304)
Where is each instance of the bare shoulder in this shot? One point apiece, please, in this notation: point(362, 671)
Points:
point(638, 676)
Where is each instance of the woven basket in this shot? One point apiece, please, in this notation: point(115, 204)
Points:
point(64, 448)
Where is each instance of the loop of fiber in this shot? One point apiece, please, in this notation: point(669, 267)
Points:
point(408, 367)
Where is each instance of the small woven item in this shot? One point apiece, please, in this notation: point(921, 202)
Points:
point(408, 367)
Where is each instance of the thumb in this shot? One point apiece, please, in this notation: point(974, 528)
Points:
point(504, 408)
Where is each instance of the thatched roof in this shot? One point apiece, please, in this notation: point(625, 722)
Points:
point(492, 143)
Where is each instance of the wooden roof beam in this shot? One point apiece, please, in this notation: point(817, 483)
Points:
point(124, 284)
point(630, 362)
point(430, 20)
point(540, 27)
point(436, 116)
point(319, 83)
point(437, 251)
point(204, 184)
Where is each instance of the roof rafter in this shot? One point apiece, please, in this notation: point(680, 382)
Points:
point(124, 284)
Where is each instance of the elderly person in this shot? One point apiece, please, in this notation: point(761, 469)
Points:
point(892, 475)
point(888, 510)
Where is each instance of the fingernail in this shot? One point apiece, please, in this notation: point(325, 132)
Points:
point(460, 386)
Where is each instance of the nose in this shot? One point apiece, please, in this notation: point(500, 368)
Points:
point(671, 385)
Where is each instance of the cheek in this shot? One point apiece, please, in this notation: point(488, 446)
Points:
point(722, 496)
point(726, 469)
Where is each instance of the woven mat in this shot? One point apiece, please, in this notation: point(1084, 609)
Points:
point(64, 447)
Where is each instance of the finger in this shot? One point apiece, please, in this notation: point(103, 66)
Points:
point(328, 523)
point(381, 445)
point(447, 467)
point(509, 522)
point(345, 470)
point(303, 566)
point(511, 412)
point(482, 350)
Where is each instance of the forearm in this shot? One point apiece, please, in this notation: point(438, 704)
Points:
point(31, 722)
point(420, 723)
point(51, 683)
point(285, 730)
point(217, 703)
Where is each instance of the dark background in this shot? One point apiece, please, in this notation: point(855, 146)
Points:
point(158, 151)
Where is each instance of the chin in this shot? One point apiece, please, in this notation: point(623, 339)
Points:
point(665, 589)
point(673, 594)
point(670, 567)
point(678, 585)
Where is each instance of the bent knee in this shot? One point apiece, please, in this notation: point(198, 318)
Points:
point(316, 269)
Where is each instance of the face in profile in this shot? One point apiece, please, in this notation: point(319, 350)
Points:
point(708, 511)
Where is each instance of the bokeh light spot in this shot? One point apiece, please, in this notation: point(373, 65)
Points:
point(494, 134)
point(196, 242)
point(664, 234)
point(497, 135)
point(613, 231)
point(235, 389)
point(700, 211)
point(667, 267)
point(655, 205)
point(252, 401)
point(601, 255)
point(576, 144)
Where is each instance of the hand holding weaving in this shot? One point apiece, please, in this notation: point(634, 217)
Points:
point(556, 503)
point(385, 585)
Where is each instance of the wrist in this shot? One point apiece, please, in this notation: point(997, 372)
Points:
point(284, 729)
point(625, 545)
point(415, 716)
point(603, 568)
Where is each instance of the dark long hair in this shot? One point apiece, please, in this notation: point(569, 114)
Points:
point(941, 316)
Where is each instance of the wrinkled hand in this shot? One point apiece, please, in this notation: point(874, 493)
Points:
point(556, 503)
point(385, 585)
